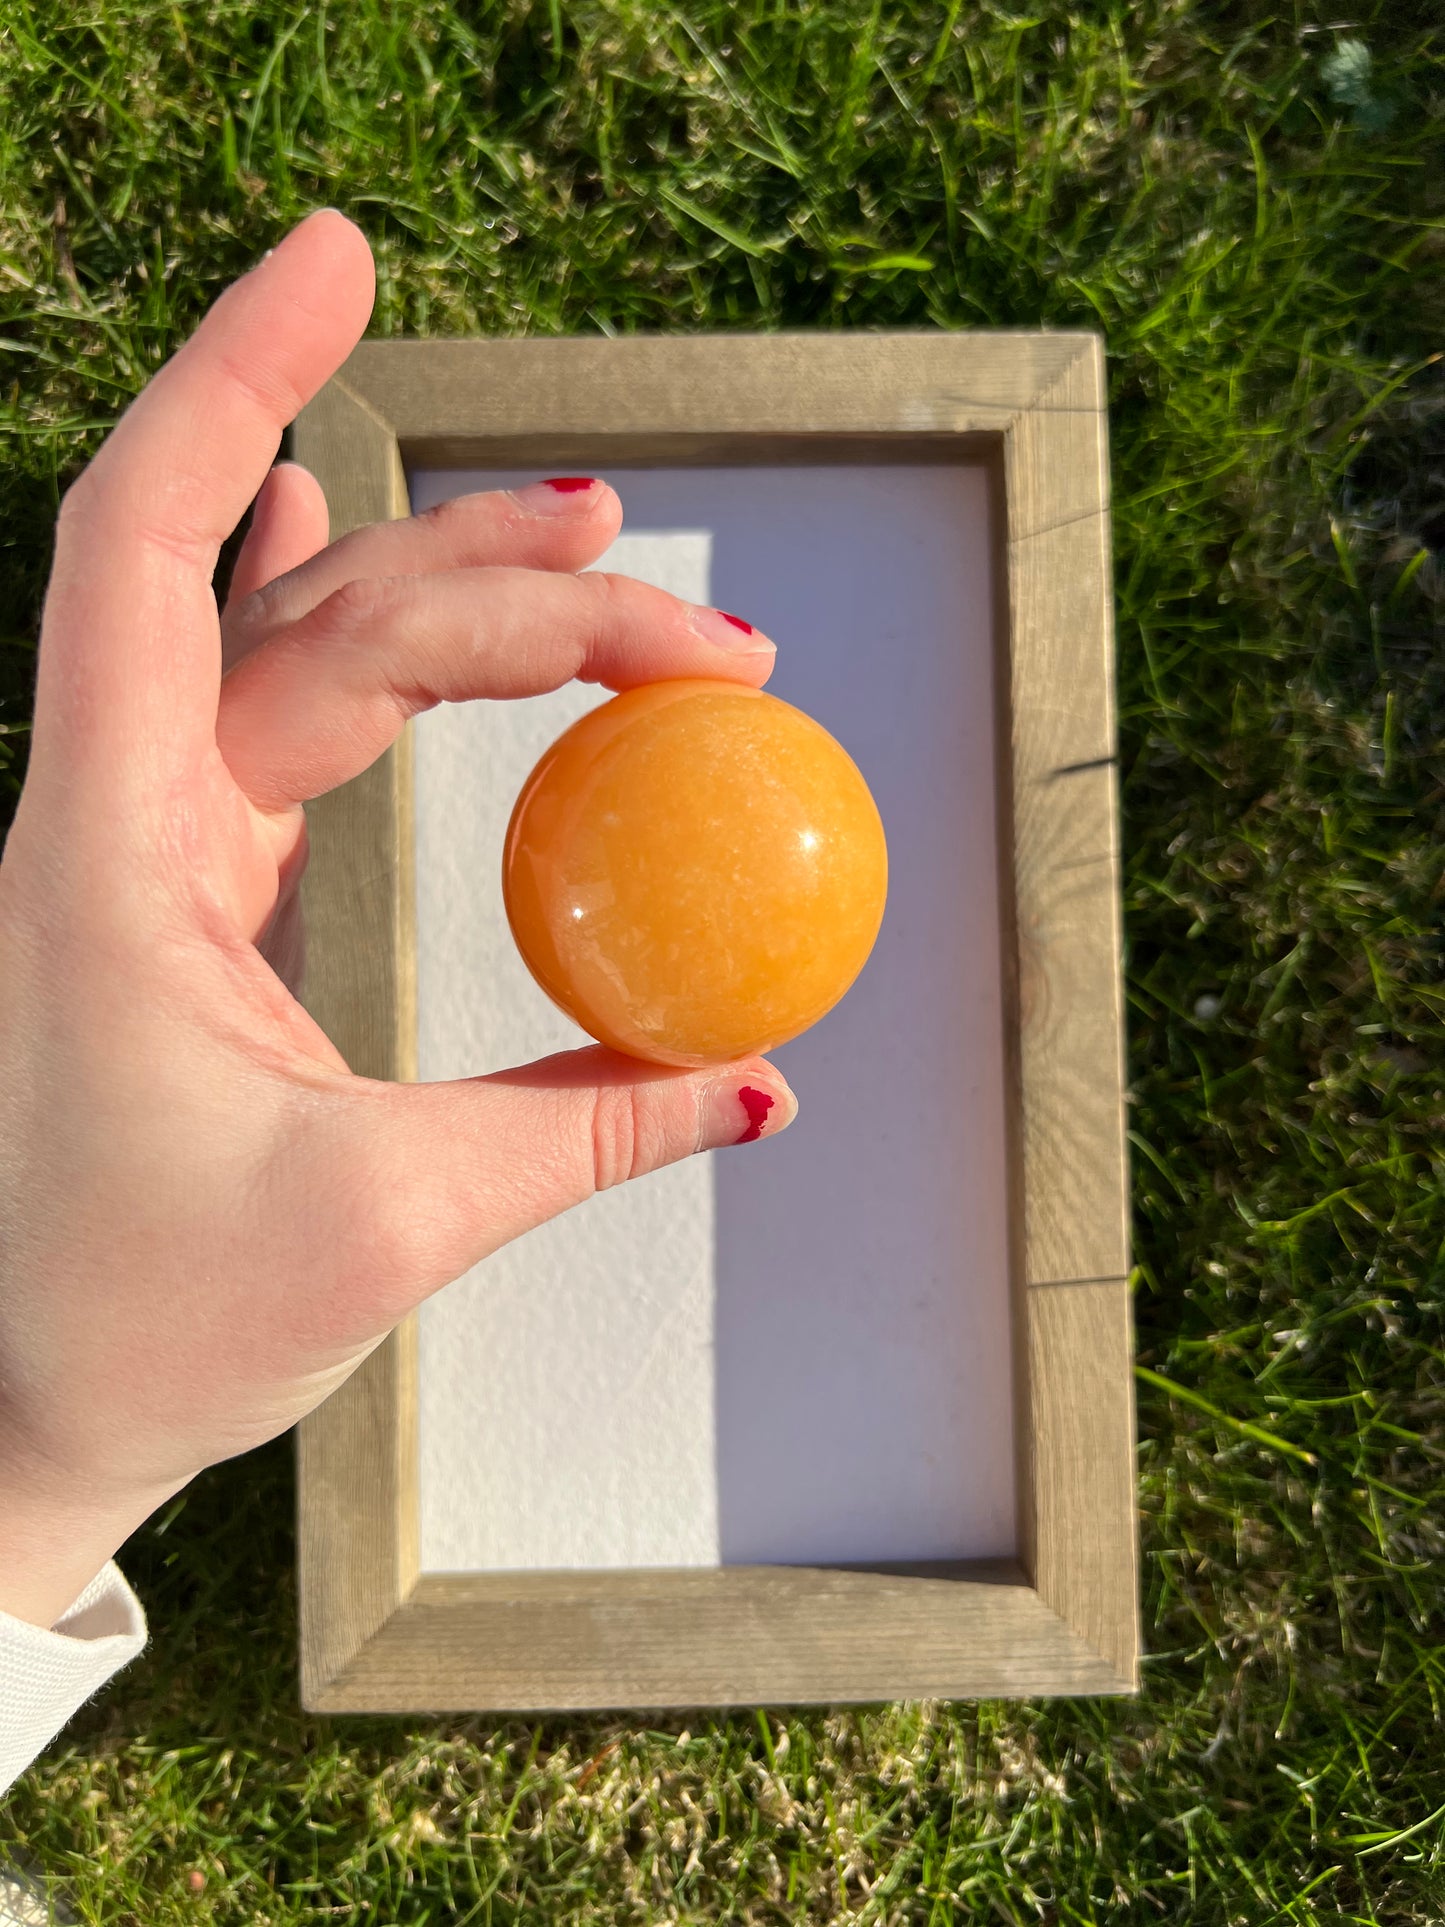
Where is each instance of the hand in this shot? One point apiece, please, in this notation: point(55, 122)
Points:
point(206, 1221)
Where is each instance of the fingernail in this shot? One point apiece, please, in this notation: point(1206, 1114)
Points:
point(729, 632)
point(556, 496)
point(738, 1110)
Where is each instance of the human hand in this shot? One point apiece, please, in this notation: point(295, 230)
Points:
point(206, 1220)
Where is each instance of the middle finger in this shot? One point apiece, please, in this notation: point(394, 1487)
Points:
point(562, 523)
point(320, 703)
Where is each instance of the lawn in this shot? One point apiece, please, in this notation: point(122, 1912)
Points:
point(1249, 203)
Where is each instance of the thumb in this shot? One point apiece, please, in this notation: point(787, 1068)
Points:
point(462, 1167)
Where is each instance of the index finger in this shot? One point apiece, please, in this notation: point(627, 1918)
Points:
point(130, 657)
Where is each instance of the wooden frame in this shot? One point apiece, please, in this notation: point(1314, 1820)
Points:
point(378, 1636)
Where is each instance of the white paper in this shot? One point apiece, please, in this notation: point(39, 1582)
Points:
point(798, 1352)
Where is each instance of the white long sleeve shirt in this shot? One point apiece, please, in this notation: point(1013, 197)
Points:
point(46, 1675)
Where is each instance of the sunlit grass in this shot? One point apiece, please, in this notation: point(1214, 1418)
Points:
point(1250, 205)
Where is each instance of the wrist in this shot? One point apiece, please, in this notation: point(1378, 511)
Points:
point(54, 1542)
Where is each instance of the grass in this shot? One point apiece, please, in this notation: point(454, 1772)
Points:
point(1247, 201)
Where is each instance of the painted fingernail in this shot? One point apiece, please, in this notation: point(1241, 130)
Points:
point(738, 1111)
point(725, 631)
point(556, 495)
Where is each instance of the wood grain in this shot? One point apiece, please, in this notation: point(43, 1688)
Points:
point(1062, 645)
point(1074, 1152)
point(377, 1637)
point(453, 399)
point(357, 1500)
point(761, 1635)
point(1082, 1446)
point(1065, 822)
point(352, 451)
point(1057, 452)
point(356, 1486)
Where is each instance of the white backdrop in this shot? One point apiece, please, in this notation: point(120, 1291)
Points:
point(798, 1351)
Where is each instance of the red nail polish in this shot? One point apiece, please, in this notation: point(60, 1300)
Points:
point(570, 484)
point(757, 1104)
point(738, 623)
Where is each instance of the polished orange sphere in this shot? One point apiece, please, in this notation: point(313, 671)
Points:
point(695, 871)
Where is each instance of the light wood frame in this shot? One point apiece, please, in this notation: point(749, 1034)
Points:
point(377, 1635)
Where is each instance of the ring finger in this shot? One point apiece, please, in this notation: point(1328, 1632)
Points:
point(562, 523)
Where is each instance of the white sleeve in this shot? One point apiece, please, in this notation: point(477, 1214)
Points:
point(46, 1676)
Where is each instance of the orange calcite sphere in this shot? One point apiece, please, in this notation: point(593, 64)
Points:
point(695, 871)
